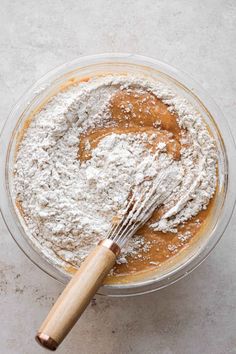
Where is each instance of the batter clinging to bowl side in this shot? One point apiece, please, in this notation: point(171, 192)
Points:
point(81, 154)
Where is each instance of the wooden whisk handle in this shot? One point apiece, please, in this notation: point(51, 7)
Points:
point(77, 294)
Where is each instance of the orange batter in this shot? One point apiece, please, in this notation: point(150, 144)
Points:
point(135, 112)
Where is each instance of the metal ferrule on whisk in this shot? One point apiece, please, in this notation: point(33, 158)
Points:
point(111, 245)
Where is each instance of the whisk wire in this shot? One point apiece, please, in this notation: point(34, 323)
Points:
point(139, 213)
point(112, 232)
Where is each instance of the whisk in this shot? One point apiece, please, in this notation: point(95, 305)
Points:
point(144, 199)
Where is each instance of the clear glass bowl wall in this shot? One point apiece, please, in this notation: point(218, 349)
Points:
point(184, 86)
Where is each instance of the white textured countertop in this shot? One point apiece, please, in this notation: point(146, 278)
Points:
point(194, 316)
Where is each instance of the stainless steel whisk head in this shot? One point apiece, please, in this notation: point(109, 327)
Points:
point(144, 199)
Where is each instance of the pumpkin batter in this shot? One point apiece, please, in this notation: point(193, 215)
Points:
point(134, 111)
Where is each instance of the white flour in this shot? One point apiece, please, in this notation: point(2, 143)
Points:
point(69, 205)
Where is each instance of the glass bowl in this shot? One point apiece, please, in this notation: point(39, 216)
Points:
point(181, 83)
